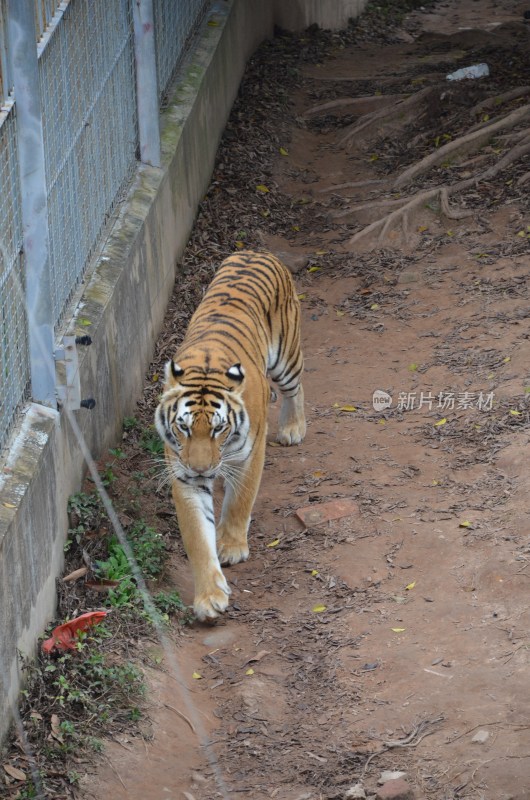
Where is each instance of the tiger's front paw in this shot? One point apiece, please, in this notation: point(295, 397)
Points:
point(212, 597)
point(231, 551)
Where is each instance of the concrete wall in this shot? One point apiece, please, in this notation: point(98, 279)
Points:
point(124, 300)
point(296, 15)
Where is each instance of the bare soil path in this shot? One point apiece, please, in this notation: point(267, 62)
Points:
point(387, 639)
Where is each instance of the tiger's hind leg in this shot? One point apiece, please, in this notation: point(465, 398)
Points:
point(287, 376)
point(292, 424)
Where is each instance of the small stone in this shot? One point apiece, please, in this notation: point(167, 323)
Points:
point(355, 791)
point(395, 790)
point(481, 737)
point(389, 775)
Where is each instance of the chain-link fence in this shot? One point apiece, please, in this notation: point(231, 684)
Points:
point(175, 23)
point(14, 362)
point(90, 131)
point(89, 110)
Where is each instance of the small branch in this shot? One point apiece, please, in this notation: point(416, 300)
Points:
point(182, 716)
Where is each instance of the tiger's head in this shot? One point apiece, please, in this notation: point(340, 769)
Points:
point(201, 418)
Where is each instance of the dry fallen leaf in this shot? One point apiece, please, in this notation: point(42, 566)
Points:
point(410, 586)
point(249, 671)
point(197, 676)
point(77, 573)
point(15, 773)
point(56, 728)
point(258, 657)
point(464, 524)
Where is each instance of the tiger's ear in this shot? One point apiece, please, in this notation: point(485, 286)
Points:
point(173, 371)
point(236, 373)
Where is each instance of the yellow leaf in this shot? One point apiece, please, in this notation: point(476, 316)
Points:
point(340, 313)
point(321, 252)
point(485, 117)
point(274, 543)
point(381, 422)
point(9, 505)
point(302, 296)
point(314, 269)
point(295, 227)
point(155, 377)
point(318, 473)
point(522, 234)
point(399, 630)
point(413, 367)
point(266, 213)
point(374, 157)
point(515, 413)
point(450, 233)
point(84, 322)
point(319, 609)
point(491, 375)
point(435, 483)
point(213, 23)
point(374, 306)
point(505, 360)
point(283, 151)
point(239, 244)
point(348, 408)
point(249, 671)
point(262, 188)
point(464, 524)
point(422, 228)
point(197, 676)
point(314, 573)
point(440, 422)
point(410, 586)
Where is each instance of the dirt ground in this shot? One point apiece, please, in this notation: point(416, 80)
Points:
point(389, 638)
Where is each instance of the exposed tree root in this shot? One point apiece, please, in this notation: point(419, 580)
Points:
point(352, 102)
point(469, 141)
point(401, 110)
point(405, 205)
point(500, 99)
point(353, 185)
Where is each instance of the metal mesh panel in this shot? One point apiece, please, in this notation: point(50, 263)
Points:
point(90, 131)
point(175, 23)
point(14, 365)
point(44, 11)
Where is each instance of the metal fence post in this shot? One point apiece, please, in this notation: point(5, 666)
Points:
point(24, 69)
point(146, 82)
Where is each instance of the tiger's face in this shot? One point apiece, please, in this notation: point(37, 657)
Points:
point(201, 419)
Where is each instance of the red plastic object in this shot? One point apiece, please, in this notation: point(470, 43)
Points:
point(64, 636)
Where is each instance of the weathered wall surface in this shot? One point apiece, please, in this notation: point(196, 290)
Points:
point(124, 301)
